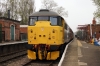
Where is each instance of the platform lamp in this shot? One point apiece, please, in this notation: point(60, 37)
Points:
point(94, 24)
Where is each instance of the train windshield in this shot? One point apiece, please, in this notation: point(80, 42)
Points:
point(55, 20)
point(32, 20)
point(43, 18)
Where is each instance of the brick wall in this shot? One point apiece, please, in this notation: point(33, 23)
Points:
point(23, 32)
point(23, 28)
point(6, 27)
point(95, 28)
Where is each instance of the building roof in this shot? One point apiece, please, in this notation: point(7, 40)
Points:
point(94, 24)
point(45, 12)
point(9, 19)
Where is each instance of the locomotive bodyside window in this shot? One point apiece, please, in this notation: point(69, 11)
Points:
point(32, 20)
point(65, 26)
point(60, 21)
point(53, 20)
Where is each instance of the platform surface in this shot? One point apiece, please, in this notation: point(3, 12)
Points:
point(80, 53)
point(14, 42)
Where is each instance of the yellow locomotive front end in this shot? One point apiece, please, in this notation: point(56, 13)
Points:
point(45, 35)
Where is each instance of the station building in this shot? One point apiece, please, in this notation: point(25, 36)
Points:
point(23, 32)
point(9, 29)
point(93, 30)
point(90, 31)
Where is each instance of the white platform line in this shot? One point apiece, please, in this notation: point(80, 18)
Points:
point(81, 63)
point(62, 58)
point(79, 52)
point(12, 43)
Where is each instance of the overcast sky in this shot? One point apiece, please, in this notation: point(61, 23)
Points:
point(80, 12)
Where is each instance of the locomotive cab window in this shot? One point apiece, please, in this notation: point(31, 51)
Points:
point(55, 20)
point(32, 20)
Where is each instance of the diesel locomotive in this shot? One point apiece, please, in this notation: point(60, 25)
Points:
point(48, 33)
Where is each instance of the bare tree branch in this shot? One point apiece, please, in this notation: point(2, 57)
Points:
point(51, 5)
point(18, 9)
point(26, 8)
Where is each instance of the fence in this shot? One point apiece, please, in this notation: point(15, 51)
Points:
point(23, 36)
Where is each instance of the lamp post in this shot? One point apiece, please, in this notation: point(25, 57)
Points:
point(94, 30)
point(90, 30)
point(94, 25)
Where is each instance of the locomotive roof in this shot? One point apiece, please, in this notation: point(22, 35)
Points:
point(45, 12)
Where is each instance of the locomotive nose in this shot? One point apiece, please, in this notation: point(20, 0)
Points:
point(42, 35)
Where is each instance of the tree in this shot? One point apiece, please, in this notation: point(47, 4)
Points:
point(97, 12)
point(97, 2)
point(12, 5)
point(79, 34)
point(26, 7)
point(51, 5)
point(2, 8)
point(19, 9)
point(9, 5)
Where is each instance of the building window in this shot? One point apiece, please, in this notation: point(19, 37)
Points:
point(99, 31)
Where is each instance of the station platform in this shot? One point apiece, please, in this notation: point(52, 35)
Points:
point(14, 42)
point(7, 48)
point(80, 53)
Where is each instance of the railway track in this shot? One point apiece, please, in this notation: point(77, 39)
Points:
point(8, 57)
point(6, 63)
point(22, 60)
point(12, 53)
